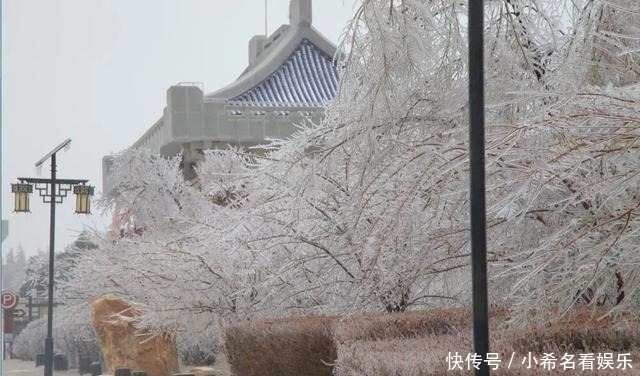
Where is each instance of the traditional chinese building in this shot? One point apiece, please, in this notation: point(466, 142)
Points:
point(290, 77)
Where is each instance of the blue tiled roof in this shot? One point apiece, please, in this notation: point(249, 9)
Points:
point(308, 78)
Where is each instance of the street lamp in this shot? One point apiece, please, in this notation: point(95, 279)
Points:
point(22, 192)
point(53, 191)
point(83, 192)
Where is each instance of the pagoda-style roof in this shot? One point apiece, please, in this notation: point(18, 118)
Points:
point(293, 67)
point(307, 78)
point(290, 78)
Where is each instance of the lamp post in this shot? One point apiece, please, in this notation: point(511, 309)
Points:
point(53, 191)
point(477, 184)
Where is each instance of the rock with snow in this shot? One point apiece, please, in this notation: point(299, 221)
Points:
point(123, 345)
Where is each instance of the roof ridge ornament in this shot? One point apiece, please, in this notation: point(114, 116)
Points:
point(300, 13)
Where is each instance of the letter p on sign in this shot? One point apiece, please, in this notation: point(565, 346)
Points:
point(9, 299)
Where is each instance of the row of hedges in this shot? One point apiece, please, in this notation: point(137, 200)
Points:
point(310, 345)
point(413, 344)
point(426, 356)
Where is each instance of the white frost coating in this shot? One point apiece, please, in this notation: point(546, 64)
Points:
point(368, 211)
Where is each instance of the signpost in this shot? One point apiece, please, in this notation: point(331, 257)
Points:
point(9, 301)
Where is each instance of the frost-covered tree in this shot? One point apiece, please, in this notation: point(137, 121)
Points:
point(35, 280)
point(368, 211)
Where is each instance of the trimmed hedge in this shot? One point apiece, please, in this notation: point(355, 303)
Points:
point(415, 343)
point(283, 347)
point(402, 325)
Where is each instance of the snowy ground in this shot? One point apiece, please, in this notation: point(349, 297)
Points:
point(13, 367)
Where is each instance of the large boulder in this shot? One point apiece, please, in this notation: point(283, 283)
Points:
point(125, 346)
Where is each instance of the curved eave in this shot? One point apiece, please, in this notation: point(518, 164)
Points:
point(274, 57)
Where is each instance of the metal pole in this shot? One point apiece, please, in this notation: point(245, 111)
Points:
point(477, 185)
point(48, 343)
point(30, 308)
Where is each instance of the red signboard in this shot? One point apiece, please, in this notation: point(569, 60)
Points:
point(9, 299)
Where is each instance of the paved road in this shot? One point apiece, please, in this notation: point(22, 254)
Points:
point(13, 367)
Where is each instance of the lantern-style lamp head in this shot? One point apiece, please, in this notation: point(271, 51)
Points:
point(22, 191)
point(83, 203)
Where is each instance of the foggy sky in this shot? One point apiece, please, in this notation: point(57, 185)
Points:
point(97, 71)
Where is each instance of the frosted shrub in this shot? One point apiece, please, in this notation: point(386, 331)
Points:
point(580, 331)
point(420, 356)
point(199, 342)
point(402, 325)
point(72, 332)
